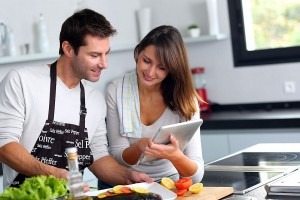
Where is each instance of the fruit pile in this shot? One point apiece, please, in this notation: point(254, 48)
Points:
point(124, 192)
point(181, 186)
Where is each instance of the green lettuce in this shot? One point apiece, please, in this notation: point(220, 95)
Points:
point(37, 187)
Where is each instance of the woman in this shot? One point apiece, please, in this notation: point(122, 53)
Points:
point(160, 92)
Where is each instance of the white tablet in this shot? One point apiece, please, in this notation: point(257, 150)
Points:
point(183, 132)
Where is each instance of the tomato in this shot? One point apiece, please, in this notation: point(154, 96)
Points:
point(126, 190)
point(180, 192)
point(184, 183)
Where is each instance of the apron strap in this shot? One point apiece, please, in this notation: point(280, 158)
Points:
point(52, 91)
point(83, 110)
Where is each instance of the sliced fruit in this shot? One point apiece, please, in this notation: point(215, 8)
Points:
point(102, 195)
point(117, 189)
point(167, 183)
point(184, 183)
point(140, 190)
point(180, 192)
point(196, 188)
point(126, 190)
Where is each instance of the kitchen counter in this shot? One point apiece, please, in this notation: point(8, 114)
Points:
point(260, 192)
point(252, 116)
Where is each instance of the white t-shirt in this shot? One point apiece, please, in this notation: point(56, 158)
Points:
point(158, 168)
point(24, 104)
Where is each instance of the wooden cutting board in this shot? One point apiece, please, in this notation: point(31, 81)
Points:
point(208, 193)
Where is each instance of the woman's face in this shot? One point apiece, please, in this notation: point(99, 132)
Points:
point(149, 68)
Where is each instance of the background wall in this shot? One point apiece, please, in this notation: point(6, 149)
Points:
point(225, 83)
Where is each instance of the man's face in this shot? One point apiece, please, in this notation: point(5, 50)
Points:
point(92, 58)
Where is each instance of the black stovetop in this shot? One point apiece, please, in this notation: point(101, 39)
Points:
point(248, 170)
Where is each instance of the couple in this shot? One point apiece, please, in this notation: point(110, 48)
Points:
point(45, 109)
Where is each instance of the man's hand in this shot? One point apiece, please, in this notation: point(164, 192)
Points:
point(137, 177)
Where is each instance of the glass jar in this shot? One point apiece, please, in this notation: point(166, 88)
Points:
point(75, 179)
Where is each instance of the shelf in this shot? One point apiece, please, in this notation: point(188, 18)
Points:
point(114, 48)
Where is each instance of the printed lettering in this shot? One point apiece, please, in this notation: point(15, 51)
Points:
point(43, 138)
point(46, 147)
point(67, 130)
point(59, 132)
point(59, 123)
point(74, 132)
point(48, 161)
point(52, 130)
point(81, 143)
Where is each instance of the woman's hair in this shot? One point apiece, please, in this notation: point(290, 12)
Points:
point(82, 23)
point(177, 88)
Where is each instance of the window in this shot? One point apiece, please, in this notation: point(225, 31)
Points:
point(264, 32)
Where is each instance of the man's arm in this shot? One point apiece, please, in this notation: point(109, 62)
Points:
point(16, 156)
point(109, 170)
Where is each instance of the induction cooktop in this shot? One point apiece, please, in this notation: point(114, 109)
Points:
point(242, 182)
point(257, 161)
point(246, 171)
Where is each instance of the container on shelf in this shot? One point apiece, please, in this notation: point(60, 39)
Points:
point(200, 86)
point(42, 39)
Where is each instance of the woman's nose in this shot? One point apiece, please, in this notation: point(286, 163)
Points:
point(152, 70)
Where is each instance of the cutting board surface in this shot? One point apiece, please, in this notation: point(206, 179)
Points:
point(208, 193)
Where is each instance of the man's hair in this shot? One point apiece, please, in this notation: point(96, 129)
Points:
point(81, 23)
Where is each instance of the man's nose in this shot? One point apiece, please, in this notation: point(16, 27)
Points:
point(103, 62)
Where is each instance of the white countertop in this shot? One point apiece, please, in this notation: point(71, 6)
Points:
point(273, 147)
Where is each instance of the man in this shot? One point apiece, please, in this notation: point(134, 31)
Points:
point(44, 110)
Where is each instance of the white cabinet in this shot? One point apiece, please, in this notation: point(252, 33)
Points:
point(240, 139)
point(215, 144)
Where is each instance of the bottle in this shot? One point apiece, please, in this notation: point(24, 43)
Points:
point(75, 182)
point(42, 37)
point(10, 46)
point(200, 87)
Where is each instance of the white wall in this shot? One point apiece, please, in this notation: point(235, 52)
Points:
point(225, 83)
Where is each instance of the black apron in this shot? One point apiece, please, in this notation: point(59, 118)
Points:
point(57, 136)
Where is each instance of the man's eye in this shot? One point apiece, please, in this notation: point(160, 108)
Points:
point(94, 55)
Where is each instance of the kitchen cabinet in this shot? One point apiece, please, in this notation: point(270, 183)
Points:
point(215, 144)
point(219, 143)
point(114, 48)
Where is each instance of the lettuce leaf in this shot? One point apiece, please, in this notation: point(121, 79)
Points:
point(37, 187)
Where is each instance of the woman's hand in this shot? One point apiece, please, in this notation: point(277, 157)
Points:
point(170, 151)
point(143, 143)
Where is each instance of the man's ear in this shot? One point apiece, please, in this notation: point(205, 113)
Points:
point(67, 48)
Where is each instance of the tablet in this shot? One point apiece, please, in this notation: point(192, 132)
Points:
point(183, 132)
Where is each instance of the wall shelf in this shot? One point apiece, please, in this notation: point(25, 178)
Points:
point(114, 48)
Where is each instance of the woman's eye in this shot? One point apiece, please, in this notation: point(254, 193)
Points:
point(162, 67)
point(147, 61)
